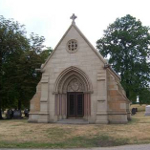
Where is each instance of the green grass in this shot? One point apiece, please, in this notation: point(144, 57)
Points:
point(133, 121)
point(20, 134)
point(76, 142)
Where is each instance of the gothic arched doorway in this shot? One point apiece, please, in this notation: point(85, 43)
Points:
point(72, 94)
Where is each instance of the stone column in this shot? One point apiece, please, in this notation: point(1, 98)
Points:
point(61, 106)
point(56, 104)
point(43, 114)
point(128, 111)
point(64, 106)
point(101, 103)
point(87, 105)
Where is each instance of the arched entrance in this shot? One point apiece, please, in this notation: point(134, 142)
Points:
point(73, 94)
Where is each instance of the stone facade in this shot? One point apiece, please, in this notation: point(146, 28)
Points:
point(76, 67)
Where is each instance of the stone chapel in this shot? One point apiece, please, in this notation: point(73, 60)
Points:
point(77, 83)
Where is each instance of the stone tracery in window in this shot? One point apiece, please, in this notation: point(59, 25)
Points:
point(72, 45)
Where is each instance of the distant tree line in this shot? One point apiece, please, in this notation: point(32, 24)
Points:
point(19, 57)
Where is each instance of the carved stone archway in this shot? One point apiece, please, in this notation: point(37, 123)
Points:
point(72, 79)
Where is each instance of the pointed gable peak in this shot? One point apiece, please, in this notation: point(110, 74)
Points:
point(73, 25)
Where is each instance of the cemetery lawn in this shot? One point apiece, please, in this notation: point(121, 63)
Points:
point(21, 134)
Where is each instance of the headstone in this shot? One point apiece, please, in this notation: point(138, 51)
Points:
point(136, 109)
point(133, 111)
point(17, 114)
point(9, 114)
point(137, 99)
point(147, 110)
point(26, 113)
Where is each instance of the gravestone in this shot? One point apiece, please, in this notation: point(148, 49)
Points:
point(17, 114)
point(134, 111)
point(26, 112)
point(147, 110)
point(9, 114)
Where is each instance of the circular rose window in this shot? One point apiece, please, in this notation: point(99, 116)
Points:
point(72, 45)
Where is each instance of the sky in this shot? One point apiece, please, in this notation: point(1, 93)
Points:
point(51, 18)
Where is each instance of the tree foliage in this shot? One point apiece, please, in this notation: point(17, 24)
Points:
point(127, 43)
point(19, 57)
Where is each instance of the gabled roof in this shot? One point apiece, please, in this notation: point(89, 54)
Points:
point(90, 45)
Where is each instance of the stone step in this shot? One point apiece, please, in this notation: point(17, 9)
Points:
point(73, 121)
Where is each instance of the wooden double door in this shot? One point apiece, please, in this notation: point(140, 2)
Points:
point(75, 104)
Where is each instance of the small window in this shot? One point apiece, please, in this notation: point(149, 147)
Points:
point(72, 45)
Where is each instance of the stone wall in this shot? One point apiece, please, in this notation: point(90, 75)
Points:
point(35, 105)
point(117, 100)
point(35, 101)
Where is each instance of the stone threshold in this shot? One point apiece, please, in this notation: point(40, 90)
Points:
point(72, 121)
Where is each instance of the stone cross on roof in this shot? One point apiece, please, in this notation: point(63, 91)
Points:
point(73, 17)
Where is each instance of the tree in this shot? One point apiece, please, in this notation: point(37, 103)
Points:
point(45, 53)
point(12, 43)
point(144, 96)
point(127, 43)
point(26, 74)
point(19, 57)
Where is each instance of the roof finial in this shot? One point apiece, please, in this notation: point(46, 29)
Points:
point(73, 17)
